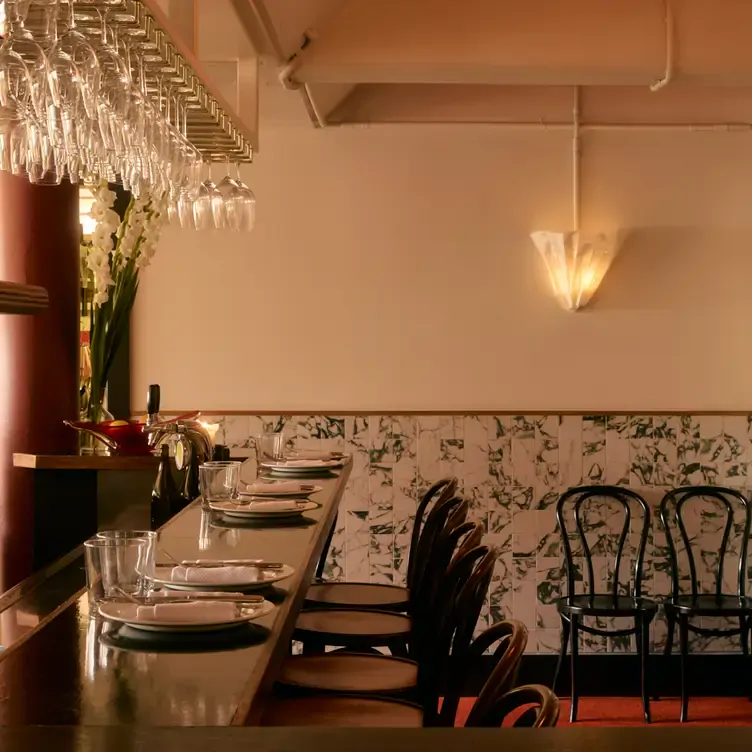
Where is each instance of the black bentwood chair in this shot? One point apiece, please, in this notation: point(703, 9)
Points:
point(681, 607)
point(624, 599)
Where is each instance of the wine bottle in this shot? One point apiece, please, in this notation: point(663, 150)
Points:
point(164, 494)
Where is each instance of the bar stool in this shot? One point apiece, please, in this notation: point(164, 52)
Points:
point(370, 628)
point(359, 710)
point(624, 598)
point(360, 595)
point(347, 672)
point(682, 607)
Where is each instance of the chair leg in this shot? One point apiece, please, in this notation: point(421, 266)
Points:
point(562, 650)
point(744, 635)
point(671, 624)
point(573, 666)
point(398, 648)
point(311, 646)
point(744, 625)
point(642, 628)
point(684, 645)
point(671, 621)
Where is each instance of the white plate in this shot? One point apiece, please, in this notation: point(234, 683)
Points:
point(279, 466)
point(276, 495)
point(125, 613)
point(231, 509)
point(270, 577)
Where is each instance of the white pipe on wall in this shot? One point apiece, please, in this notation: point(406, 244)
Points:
point(670, 31)
point(535, 125)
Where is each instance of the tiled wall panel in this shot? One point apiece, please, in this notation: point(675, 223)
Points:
point(512, 468)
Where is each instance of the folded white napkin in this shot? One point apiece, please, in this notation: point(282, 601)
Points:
point(308, 454)
point(288, 486)
point(271, 506)
point(216, 575)
point(196, 612)
point(305, 463)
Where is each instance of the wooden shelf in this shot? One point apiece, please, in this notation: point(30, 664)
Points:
point(17, 298)
point(87, 462)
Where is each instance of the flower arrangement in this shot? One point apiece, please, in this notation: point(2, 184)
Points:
point(118, 252)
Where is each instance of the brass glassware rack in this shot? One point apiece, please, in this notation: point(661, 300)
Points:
point(168, 64)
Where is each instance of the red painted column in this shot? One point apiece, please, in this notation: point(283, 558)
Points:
point(39, 377)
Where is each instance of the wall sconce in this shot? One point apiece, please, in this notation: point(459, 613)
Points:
point(576, 261)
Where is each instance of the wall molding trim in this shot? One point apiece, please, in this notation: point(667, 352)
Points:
point(390, 411)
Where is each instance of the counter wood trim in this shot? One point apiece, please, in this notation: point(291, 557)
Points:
point(84, 462)
point(395, 411)
point(24, 299)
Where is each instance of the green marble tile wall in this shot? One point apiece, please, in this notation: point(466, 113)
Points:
point(512, 469)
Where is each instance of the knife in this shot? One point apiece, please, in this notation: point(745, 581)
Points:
point(225, 597)
point(210, 564)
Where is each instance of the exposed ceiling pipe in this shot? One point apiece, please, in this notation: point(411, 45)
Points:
point(290, 82)
point(670, 44)
point(540, 125)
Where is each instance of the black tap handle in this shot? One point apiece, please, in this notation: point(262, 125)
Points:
point(152, 399)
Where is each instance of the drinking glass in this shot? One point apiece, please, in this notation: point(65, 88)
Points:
point(225, 188)
point(217, 202)
point(150, 536)
point(202, 207)
point(240, 205)
point(77, 46)
point(118, 564)
point(218, 481)
point(270, 447)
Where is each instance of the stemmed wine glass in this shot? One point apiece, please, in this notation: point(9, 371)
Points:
point(226, 186)
point(77, 46)
point(241, 205)
point(65, 98)
point(203, 204)
point(114, 96)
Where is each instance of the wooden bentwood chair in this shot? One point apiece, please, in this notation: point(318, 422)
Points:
point(454, 553)
point(360, 629)
point(624, 599)
point(383, 597)
point(682, 607)
point(463, 590)
point(362, 711)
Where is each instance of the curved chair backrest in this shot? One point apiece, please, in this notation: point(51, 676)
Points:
point(442, 489)
point(734, 543)
point(468, 581)
point(545, 712)
point(576, 499)
point(510, 638)
point(427, 597)
point(436, 604)
point(446, 512)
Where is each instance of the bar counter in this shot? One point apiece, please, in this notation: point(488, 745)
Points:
point(61, 666)
point(579, 739)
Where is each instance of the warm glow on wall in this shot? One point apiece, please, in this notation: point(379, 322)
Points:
point(85, 200)
point(576, 262)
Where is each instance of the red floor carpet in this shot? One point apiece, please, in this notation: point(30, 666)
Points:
point(627, 711)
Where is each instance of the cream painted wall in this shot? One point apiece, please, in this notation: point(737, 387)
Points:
point(391, 270)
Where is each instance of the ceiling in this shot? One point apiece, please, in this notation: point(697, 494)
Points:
point(340, 62)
